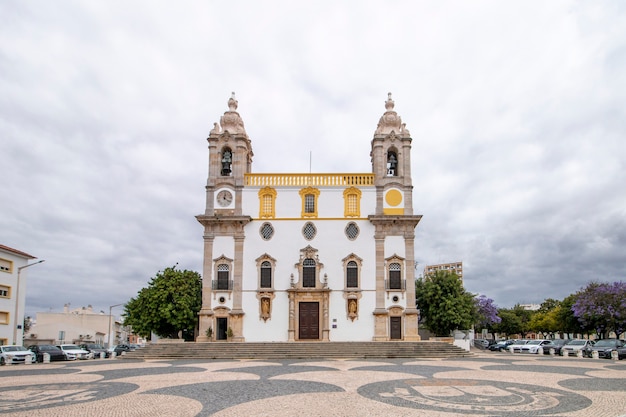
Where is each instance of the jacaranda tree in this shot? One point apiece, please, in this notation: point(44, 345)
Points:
point(168, 307)
point(602, 307)
point(486, 312)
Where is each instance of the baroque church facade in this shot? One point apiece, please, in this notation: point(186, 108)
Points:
point(308, 257)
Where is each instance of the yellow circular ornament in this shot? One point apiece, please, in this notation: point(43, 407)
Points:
point(393, 197)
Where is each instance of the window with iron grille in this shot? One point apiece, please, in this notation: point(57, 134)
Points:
point(223, 275)
point(266, 275)
point(352, 275)
point(309, 203)
point(309, 231)
point(352, 231)
point(395, 278)
point(308, 273)
point(268, 205)
point(267, 231)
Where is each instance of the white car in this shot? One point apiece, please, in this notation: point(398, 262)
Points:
point(533, 346)
point(73, 352)
point(517, 346)
point(15, 354)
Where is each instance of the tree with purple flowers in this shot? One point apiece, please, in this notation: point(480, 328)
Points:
point(486, 312)
point(602, 307)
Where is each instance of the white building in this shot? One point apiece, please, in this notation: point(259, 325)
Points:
point(79, 325)
point(12, 294)
point(301, 257)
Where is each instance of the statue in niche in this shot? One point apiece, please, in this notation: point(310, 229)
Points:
point(265, 308)
point(226, 162)
point(352, 308)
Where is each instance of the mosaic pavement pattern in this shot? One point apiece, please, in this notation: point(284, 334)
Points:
point(491, 384)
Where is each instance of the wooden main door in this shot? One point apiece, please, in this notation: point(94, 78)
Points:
point(309, 320)
point(395, 326)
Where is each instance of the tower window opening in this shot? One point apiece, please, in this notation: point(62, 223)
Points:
point(227, 161)
point(392, 164)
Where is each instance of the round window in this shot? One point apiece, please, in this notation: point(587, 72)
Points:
point(309, 231)
point(267, 231)
point(352, 231)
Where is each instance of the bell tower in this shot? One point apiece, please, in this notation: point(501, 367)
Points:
point(230, 158)
point(391, 165)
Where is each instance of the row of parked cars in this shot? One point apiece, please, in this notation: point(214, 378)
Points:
point(65, 352)
point(563, 347)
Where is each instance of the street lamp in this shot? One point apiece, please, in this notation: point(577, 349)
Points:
point(17, 298)
point(110, 328)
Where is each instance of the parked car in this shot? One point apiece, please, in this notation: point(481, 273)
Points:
point(55, 352)
point(118, 349)
point(517, 346)
point(15, 354)
point(555, 344)
point(573, 346)
point(73, 352)
point(604, 347)
point(96, 349)
point(483, 343)
point(533, 346)
point(501, 345)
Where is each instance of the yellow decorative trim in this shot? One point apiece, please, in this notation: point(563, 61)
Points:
point(316, 219)
point(264, 211)
point(304, 193)
point(354, 211)
point(393, 211)
point(393, 197)
point(311, 180)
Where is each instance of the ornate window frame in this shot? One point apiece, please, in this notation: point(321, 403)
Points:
point(309, 253)
point(390, 266)
point(352, 202)
point(260, 261)
point(309, 193)
point(267, 203)
point(358, 264)
point(222, 264)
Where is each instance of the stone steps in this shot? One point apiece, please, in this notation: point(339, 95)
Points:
point(298, 350)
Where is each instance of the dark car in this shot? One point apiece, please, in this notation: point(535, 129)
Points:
point(555, 344)
point(501, 345)
point(604, 347)
point(118, 349)
point(96, 349)
point(56, 354)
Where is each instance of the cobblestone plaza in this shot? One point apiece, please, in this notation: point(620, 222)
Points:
point(489, 384)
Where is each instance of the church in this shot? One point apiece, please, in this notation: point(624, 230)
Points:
point(305, 256)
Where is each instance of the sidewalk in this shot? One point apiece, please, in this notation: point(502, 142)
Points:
point(490, 384)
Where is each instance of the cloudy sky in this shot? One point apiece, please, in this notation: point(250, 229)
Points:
point(517, 112)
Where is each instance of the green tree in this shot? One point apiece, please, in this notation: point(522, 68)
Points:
point(545, 320)
point(568, 322)
point(510, 323)
point(168, 306)
point(444, 304)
